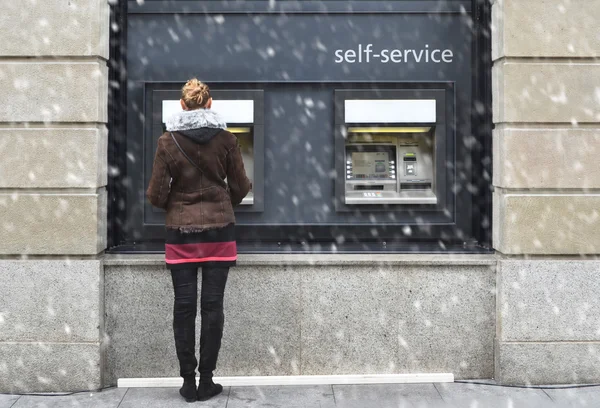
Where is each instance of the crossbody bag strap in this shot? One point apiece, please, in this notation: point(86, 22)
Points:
point(185, 154)
point(191, 161)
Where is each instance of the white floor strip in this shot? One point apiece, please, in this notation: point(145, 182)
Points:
point(295, 380)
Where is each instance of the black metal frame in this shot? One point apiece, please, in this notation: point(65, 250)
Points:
point(293, 6)
point(294, 238)
point(117, 123)
point(482, 122)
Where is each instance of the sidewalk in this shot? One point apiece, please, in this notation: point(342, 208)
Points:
point(456, 395)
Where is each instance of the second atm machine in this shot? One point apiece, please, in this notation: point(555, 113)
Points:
point(390, 148)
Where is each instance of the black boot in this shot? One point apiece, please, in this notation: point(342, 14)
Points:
point(208, 389)
point(188, 390)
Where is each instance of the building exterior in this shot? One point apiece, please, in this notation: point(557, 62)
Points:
point(75, 316)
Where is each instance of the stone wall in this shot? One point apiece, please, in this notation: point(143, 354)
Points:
point(547, 119)
point(547, 183)
point(315, 315)
point(53, 147)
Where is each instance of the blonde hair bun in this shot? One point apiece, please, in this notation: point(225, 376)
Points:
point(195, 94)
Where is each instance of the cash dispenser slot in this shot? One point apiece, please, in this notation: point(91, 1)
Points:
point(415, 186)
point(390, 164)
point(367, 187)
point(239, 116)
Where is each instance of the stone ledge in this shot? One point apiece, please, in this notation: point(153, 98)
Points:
point(563, 258)
point(326, 260)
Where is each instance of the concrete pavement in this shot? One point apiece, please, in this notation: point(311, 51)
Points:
point(447, 395)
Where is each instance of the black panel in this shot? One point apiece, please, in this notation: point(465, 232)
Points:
point(291, 52)
point(297, 6)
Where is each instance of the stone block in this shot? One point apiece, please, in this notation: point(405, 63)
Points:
point(139, 322)
point(55, 28)
point(545, 28)
point(547, 363)
point(546, 92)
point(53, 157)
point(51, 300)
point(553, 224)
point(447, 319)
point(49, 223)
point(262, 327)
point(349, 321)
point(53, 91)
point(547, 158)
point(548, 300)
point(47, 367)
point(262, 322)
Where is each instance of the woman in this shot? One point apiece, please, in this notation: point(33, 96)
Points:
point(194, 157)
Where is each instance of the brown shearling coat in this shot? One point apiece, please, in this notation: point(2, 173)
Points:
point(195, 200)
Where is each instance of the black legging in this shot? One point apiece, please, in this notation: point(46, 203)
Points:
point(185, 284)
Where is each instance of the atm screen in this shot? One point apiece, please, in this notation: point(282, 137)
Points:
point(370, 165)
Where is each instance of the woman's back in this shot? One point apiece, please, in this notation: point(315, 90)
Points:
point(198, 160)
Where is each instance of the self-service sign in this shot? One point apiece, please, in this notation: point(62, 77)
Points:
point(337, 41)
point(370, 54)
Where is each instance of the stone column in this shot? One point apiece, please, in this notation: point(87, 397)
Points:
point(546, 84)
point(53, 146)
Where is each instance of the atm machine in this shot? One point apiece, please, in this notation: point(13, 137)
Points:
point(390, 165)
point(240, 118)
point(389, 151)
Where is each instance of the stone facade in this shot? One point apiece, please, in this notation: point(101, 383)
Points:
point(53, 176)
point(419, 315)
point(546, 181)
point(547, 119)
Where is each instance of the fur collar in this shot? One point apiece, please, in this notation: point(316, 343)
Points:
point(195, 119)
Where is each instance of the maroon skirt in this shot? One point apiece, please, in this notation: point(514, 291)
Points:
point(213, 247)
